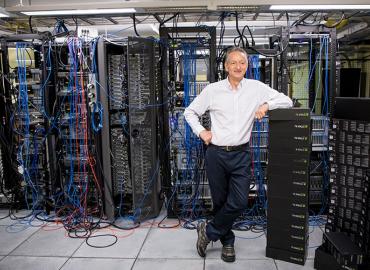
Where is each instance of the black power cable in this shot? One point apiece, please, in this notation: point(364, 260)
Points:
point(241, 37)
point(30, 24)
point(250, 32)
point(101, 235)
point(134, 20)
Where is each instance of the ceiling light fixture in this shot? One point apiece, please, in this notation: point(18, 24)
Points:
point(3, 13)
point(318, 7)
point(231, 24)
point(78, 12)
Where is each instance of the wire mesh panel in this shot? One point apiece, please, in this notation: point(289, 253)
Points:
point(142, 92)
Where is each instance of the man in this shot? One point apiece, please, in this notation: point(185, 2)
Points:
point(233, 104)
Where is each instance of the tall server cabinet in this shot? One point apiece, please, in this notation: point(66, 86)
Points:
point(288, 185)
point(23, 151)
point(130, 74)
point(188, 60)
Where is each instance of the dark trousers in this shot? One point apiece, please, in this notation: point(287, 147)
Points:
point(229, 177)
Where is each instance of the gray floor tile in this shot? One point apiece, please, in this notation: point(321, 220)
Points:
point(32, 263)
point(315, 240)
point(128, 245)
point(4, 217)
point(162, 217)
point(20, 214)
point(12, 236)
point(6, 221)
point(248, 245)
point(170, 243)
point(128, 223)
point(98, 264)
point(49, 243)
point(166, 223)
point(240, 264)
point(291, 266)
point(169, 264)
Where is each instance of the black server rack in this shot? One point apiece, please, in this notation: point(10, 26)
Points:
point(288, 185)
point(143, 86)
point(73, 143)
point(189, 65)
point(338, 251)
point(131, 83)
point(23, 127)
point(348, 213)
point(319, 169)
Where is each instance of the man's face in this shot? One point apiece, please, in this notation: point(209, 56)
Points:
point(236, 65)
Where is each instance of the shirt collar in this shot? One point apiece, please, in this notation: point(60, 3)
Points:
point(240, 85)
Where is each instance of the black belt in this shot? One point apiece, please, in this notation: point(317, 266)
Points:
point(232, 148)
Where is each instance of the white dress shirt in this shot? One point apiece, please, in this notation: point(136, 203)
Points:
point(232, 111)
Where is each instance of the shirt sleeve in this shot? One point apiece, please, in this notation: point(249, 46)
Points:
point(196, 109)
point(276, 99)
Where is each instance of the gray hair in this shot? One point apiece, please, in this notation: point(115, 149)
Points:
point(235, 49)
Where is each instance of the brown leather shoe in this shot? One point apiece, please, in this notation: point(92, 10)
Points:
point(203, 240)
point(228, 253)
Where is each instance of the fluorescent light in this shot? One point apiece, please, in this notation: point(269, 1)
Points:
point(231, 24)
point(155, 28)
point(79, 12)
point(318, 7)
point(3, 13)
point(257, 40)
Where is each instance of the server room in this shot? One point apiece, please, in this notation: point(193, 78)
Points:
point(173, 135)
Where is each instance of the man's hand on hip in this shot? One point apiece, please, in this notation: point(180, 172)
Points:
point(262, 110)
point(206, 136)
